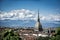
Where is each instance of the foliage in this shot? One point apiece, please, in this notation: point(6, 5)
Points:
point(57, 35)
point(58, 31)
point(43, 38)
point(10, 35)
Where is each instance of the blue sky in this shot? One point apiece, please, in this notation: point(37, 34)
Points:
point(45, 6)
point(48, 8)
point(7, 5)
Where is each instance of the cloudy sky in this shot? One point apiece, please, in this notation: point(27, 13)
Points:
point(24, 12)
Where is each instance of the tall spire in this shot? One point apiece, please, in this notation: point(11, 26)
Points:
point(38, 17)
point(38, 25)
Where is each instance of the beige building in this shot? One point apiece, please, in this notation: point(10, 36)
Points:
point(38, 26)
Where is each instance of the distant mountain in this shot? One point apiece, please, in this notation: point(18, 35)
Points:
point(27, 23)
point(57, 21)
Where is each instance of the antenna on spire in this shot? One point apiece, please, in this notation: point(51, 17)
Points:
point(38, 11)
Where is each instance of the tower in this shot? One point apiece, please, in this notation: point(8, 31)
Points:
point(38, 26)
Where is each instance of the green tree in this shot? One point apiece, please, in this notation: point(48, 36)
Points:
point(58, 31)
point(57, 35)
point(10, 35)
point(43, 38)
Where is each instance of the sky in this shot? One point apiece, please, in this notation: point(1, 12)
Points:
point(24, 12)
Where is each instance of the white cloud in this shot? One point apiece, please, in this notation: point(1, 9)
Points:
point(51, 17)
point(24, 14)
